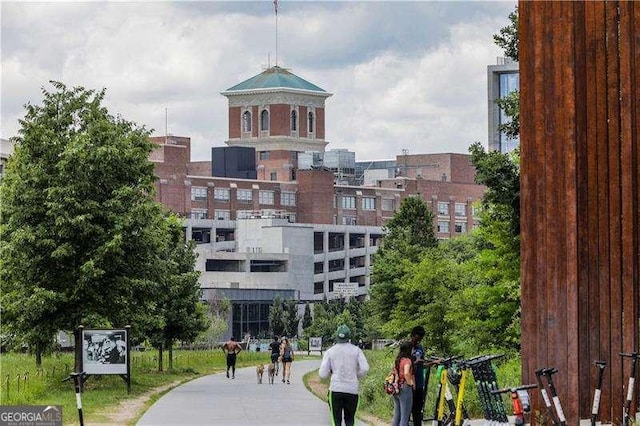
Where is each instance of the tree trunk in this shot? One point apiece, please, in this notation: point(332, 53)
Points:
point(160, 358)
point(170, 357)
point(38, 357)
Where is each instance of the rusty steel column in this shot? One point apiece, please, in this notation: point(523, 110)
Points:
point(580, 188)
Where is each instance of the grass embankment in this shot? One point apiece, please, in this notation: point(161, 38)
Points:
point(376, 407)
point(105, 397)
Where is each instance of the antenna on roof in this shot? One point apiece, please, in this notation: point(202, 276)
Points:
point(275, 6)
point(166, 125)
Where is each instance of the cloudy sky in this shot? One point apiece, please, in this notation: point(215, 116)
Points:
point(404, 75)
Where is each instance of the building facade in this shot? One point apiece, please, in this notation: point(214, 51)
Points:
point(297, 230)
point(502, 79)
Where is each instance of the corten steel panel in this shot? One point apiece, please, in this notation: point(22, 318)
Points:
point(580, 186)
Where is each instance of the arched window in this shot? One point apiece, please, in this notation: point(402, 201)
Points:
point(264, 120)
point(246, 121)
point(294, 120)
point(310, 128)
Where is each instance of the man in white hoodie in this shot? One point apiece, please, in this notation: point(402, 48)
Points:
point(346, 364)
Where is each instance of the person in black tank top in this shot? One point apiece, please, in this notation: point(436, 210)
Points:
point(275, 353)
point(286, 352)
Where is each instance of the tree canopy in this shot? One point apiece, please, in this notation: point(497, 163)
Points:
point(409, 234)
point(507, 39)
point(82, 239)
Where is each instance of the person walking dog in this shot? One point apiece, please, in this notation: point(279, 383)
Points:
point(346, 364)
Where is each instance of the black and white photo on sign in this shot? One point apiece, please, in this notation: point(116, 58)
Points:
point(104, 351)
point(315, 343)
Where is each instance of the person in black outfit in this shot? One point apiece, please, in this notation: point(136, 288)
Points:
point(231, 348)
point(275, 353)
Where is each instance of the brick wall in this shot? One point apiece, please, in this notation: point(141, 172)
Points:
point(280, 162)
point(320, 123)
point(234, 122)
point(315, 196)
point(199, 168)
point(303, 121)
point(280, 120)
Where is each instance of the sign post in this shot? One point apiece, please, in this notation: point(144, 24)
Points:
point(345, 289)
point(315, 344)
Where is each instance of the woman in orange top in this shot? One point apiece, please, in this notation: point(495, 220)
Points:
point(403, 401)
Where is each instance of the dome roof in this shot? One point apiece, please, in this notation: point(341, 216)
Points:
point(276, 78)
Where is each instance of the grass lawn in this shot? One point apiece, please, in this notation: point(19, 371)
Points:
point(105, 397)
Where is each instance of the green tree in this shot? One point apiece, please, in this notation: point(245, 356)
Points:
point(291, 318)
point(500, 173)
point(217, 312)
point(510, 104)
point(507, 39)
point(410, 230)
point(307, 318)
point(178, 302)
point(81, 236)
point(409, 234)
point(277, 321)
point(492, 305)
point(424, 298)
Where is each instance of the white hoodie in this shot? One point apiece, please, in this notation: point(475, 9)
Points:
point(346, 364)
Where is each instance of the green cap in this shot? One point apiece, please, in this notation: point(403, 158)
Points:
point(343, 334)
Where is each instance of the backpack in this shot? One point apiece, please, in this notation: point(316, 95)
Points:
point(391, 386)
point(288, 352)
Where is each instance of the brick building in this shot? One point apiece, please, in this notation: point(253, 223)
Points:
point(294, 232)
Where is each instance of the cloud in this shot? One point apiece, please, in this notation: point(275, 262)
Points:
point(406, 75)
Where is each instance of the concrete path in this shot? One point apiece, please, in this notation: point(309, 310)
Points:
point(216, 400)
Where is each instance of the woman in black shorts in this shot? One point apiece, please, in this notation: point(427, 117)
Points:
point(286, 352)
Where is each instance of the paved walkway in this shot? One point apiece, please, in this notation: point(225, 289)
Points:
point(216, 400)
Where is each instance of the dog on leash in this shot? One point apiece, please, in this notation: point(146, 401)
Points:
point(271, 371)
point(259, 372)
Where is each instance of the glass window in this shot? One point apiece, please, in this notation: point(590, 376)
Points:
point(387, 204)
point(294, 120)
point(244, 195)
point(461, 227)
point(318, 287)
point(266, 197)
point(264, 155)
point(246, 121)
point(221, 194)
point(349, 220)
point(368, 203)
point(443, 226)
point(348, 202)
point(509, 82)
point(310, 128)
point(198, 214)
point(223, 215)
point(274, 176)
point(288, 198)
point(461, 209)
point(198, 193)
point(443, 208)
point(264, 120)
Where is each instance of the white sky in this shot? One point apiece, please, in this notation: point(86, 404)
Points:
point(405, 75)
